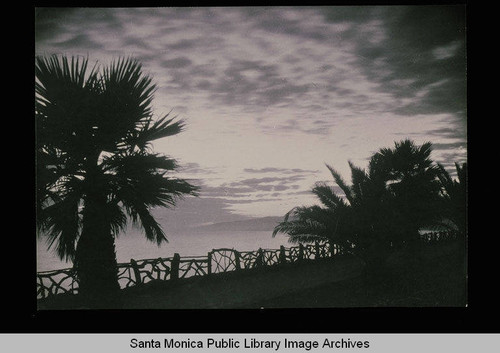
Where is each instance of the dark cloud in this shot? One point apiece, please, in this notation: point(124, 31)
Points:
point(448, 132)
point(52, 24)
point(226, 191)
point(80, 41)
point(256, 181)
point(272, 21)
point(203, 41)
point(254, 83)
point(318, 131)
point(204, 85)
point(305, 125)
point(136, 43)
point(282, 93)
point(414, 36)
point(247, 201)
point(184, 44)
point(195, 168)
point(279, 170)
point(47, 22)
point(340, 14)
point(252, 188)
point(445, 98)
point(176, 63)
point(193, 211)
point(298, 193)
point(448, 146)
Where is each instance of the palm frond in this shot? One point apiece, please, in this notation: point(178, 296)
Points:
point(158, 129)
point(61, 224)
point(300, 227)
point(359, 178)
point(327, 196)
point(341, 183)
point(115, 216)
point(135, 163)
point(66, 94)
point(59, 72)
point(125, 102)
point(311, 222)
point(304, 238)
point(142, 217)
point(142, 178)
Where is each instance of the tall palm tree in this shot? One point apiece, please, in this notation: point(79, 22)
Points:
point(95, 165)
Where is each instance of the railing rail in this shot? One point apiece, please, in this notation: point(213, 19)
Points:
point(138, 272)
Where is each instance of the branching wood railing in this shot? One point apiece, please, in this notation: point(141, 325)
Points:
point(139, 272)
point(193, 266)
point(50, 283)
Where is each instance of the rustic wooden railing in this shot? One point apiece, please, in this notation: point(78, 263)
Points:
point(50, 283)
point(222, 260)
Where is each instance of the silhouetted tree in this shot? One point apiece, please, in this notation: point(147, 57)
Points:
point(330, 221)
point(454, 194)
point(384, 206)
point(413, 188)
point(95, 165)
point(353, 220)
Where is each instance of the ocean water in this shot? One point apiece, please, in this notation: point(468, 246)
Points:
point(133, 245)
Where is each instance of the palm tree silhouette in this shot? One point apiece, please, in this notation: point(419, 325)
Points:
point(385, 205)
point(95, 166)
point(332, 220)
point(412, 183)
point(454, 192)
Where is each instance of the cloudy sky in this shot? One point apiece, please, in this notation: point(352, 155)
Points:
point(271, 94)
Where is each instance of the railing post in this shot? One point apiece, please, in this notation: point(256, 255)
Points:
point(331, 248)
point(137, 273)
point(316, 246)
point(282, 255)
point(237, 260)
point(260, 258)
point(174, 271)
point(158, 272)
point(301, 252)
point(209, 263)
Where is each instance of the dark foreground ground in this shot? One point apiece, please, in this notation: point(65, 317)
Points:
point(438, 279)
point(434, 278)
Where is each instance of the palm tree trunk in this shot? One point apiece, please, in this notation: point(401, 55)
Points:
point(95, 260)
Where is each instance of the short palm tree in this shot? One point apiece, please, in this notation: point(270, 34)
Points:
point(351, 220)
point(329, 221)
point(95, 166)
point(384, 205)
